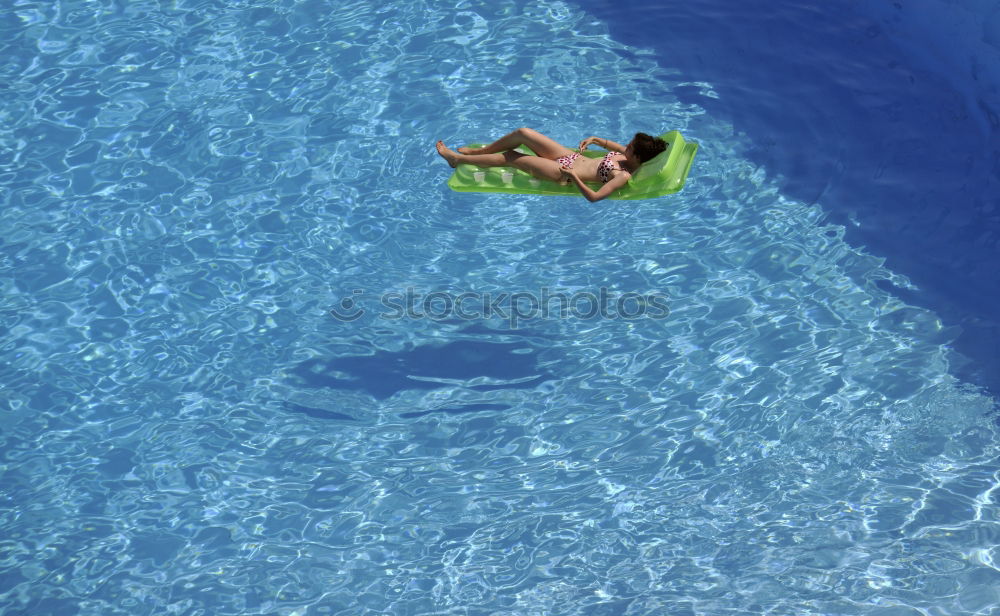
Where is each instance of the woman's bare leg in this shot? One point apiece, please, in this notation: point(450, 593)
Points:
point(535, 165)
point(541, 145)
point(480, 160)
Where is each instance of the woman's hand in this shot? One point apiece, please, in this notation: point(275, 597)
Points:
point(588, 141)
point(568, 176)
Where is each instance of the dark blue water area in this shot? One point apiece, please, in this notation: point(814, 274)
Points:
point(385, 373)
point(840, 115)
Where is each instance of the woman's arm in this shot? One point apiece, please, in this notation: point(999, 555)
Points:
point(620, 179)
point(607, 144)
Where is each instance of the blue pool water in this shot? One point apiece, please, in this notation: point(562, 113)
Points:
point(884, 113)
point(190, 188)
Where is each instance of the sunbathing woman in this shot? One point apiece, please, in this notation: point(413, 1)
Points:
point(560, 164)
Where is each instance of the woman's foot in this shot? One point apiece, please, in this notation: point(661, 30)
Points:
point(447, 154)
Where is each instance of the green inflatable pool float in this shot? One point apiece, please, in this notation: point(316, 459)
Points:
point(660, 176)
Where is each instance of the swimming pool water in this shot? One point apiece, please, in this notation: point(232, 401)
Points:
point(885, 113)
point(189, 188)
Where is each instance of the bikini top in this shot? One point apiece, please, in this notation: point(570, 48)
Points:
point(606, 166)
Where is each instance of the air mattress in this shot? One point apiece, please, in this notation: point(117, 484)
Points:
point(663, 175)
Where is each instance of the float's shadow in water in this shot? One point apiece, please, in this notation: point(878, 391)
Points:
point(473, 365)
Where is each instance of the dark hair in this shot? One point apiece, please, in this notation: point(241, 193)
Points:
point(646, 146)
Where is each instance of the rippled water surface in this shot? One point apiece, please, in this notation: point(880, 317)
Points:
point(883, 113)
point(189, 188)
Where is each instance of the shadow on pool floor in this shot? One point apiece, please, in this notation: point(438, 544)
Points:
point(479, 366)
